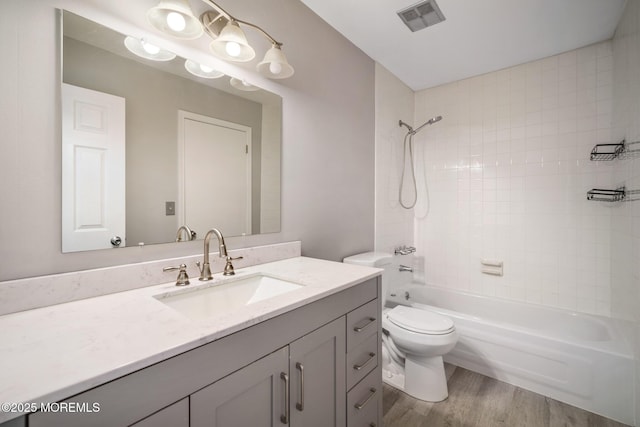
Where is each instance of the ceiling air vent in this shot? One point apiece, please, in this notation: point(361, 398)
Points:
point(421, 15)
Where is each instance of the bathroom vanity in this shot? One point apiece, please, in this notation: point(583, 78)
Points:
point(308, 357)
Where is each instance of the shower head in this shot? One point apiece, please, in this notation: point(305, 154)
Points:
point(414, 131)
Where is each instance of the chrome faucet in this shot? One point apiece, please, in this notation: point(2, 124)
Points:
point(205, 271)
point(190, 234)
point(405, 268)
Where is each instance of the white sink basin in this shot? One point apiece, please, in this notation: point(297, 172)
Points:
point(224, 298)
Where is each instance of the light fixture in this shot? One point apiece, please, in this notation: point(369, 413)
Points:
point(232, 44)
point(275, 64)
point(202, 70)
point(144, 49)
point(174, 17)
point(243, 85)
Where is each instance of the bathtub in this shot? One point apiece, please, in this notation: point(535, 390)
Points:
point(575, 358)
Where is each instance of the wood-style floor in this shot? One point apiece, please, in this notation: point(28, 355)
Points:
point(478, 401)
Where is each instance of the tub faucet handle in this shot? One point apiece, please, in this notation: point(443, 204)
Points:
point(404, 250)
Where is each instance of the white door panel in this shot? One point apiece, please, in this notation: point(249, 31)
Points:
point(215, 175)
point(93, 169)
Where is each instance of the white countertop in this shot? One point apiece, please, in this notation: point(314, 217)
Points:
point(51, 353)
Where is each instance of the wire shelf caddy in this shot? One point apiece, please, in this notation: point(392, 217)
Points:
point(607, 152)
point(618, 195)
point(603, 195)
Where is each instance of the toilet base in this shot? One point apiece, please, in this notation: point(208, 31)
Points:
point(394, 379)
point(425, 378)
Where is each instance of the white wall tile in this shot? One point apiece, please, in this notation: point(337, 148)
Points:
point(394, 101)
point(521, 176)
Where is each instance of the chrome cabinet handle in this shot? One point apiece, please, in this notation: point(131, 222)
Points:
point(116, 241)
point(284, 419)
point(369, 320)
point(369, 360)
point(300, 405)
point(362, 404)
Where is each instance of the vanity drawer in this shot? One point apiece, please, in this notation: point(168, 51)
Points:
point(364, 401)
point(362, 359)
point(361, 323)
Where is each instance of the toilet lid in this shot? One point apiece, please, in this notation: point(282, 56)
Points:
point(421, 321)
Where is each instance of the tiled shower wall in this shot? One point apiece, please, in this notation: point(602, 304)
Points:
point(394, 102)
point(625, 220)
point(507, 171)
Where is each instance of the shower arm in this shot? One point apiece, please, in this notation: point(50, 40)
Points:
point(401, 123)
point(413, 131)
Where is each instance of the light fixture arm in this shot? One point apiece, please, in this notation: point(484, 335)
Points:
point(227, 15)
point(218, 9)
point(249, 24)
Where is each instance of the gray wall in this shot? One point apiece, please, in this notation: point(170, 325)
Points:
point(153, 99)
point(328, 136)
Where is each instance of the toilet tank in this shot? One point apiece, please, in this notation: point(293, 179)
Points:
point(378, 260)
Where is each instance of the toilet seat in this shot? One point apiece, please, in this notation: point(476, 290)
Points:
point(420, 321)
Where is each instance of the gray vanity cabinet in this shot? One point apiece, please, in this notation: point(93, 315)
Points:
point(253, 396)
point(309, 373)
point(316, 367)
point(176, 415)
point(286, 371)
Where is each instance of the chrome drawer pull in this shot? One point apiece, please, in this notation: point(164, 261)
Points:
point(369, 360)
point(361, 405)
point(369, 321)
point(300, 406)
point(284, 419)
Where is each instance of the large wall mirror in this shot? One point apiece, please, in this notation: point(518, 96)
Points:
point(149, 147)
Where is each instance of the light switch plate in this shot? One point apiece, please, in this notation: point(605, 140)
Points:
point(170, 208)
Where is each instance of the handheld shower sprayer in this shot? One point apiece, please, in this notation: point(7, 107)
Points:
point(409, 136)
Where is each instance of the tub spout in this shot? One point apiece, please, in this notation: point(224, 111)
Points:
point(405, 268)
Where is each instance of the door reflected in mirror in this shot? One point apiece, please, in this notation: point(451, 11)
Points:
point(221, 169)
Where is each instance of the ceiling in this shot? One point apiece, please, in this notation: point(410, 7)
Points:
point(476, 37)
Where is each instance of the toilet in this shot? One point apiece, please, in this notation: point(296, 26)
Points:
point(413, 340)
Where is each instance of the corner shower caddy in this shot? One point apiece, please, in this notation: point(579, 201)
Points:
point(606, 152)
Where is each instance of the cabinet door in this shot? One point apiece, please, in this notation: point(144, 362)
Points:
point(252, 396)
point(317, 368)
point(176, 415)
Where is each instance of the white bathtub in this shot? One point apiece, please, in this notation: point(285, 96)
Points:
point(576, 358)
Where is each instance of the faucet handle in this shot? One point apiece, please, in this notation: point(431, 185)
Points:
point(228, 268)
point(183, 277)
